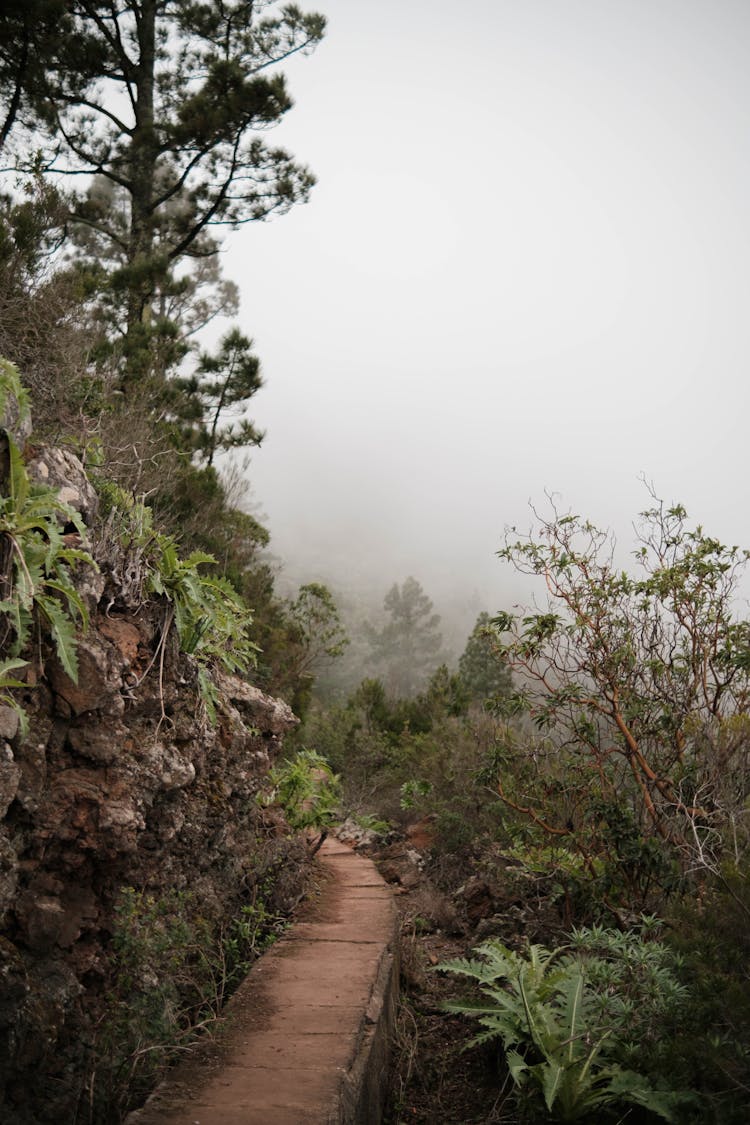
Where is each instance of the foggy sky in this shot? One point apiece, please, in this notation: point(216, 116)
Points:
point(525, 267)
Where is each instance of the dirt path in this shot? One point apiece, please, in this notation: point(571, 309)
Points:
point(306, 1037)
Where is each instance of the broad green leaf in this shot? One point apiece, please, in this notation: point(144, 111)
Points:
point(21, 619)
point(63, 634)
point(208, 693)
point(18, 480)
point(155, 583)
point(72, 597)
point(10, 384)
point(535, 1030)
point(573, 996)
point(552, 1076)
point(636, 1089)
point(196, 558)
point(517, 1066)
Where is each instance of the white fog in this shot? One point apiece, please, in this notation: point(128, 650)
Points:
point(524, 268)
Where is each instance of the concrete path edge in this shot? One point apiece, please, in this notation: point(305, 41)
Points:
point(357, 928)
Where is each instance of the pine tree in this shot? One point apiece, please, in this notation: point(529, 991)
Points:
point(213, 399)
point(409, 643)
point(484, 675)
point(31, 33)
point(166, 100)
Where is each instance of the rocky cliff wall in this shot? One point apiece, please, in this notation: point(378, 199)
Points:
point(122, 781)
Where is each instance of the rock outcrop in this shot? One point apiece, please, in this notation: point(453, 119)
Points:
point(122, 781)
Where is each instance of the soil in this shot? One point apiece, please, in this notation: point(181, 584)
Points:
point(434, 1078)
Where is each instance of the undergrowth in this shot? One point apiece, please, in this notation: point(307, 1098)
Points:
point(172, 969)
point(580, 1026)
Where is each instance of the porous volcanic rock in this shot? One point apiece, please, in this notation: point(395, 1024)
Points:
point(62, 471)
point(122, 782)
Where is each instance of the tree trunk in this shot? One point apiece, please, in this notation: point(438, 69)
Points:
point(143, 153)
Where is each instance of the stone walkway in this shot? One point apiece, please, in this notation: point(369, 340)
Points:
point(306, 1036)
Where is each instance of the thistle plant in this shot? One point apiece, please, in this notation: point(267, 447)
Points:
point(36, 563)
point(308, 791)
point(564, 1018)
point(210, 618)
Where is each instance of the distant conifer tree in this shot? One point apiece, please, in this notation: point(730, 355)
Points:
point(409, 643)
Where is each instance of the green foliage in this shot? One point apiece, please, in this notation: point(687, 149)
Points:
point(309, 638)
point(195, 506)
point(354, 749)
point(566, 1020)
point(633, 867)
point(140, 274)
point(219, 389)
point(14, 397)
point(637, 987)
point(549, 870)
point(296, 637)
point(635, 686)
point(211, 620)
point(198, 160)
point(398, 718)
point(483, 674)
point(36, 575)
point(590, 854)
point(413, 791)
point(307, 789)
point(317, 623)
point(710, 931)
point(172, 967)
point(7, 683)
point(371, 823)
point(421, 755)
point(30, 33)
point(42, 326)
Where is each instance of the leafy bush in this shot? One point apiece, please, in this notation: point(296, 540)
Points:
point(307, 790)
point(710, 930)
point(634, 685)
point(172, 968)
point(8, 681)
point(211, 620)
point(36, 563)
point(566, 1020)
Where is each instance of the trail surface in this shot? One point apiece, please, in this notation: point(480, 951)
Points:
point(306, 1037)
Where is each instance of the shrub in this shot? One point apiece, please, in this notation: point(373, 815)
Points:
point(634, 685)
point(172, 968)
point(710, 929)
point(566, 1018)
point(307, 790)
point(36, 563)
point(210, 619)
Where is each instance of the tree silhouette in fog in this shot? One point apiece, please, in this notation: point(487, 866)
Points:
point(408, 645)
